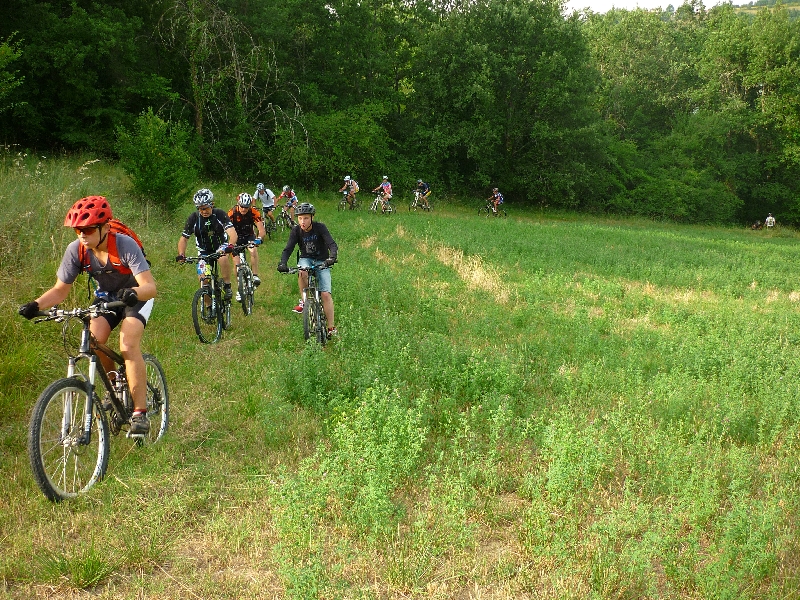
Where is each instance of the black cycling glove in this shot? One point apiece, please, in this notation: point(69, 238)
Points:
point(129, 297)
point(283, 268)
point(329, 262)
point(29, 310)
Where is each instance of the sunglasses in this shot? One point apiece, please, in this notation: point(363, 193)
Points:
point(86, 230)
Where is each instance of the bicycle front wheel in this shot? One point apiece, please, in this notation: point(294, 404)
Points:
point(207, 322)
point(157, 398)
point(246, 290)
point(225, 314)
point(313, 320)
point(65, 461)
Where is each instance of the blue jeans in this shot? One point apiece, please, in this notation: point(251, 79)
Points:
point(323, 276)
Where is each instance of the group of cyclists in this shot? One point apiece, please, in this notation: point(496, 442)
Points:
point(384, 188)
point(122, 273)
point(217, 231)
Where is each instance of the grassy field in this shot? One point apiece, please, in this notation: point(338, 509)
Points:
point(548, 406)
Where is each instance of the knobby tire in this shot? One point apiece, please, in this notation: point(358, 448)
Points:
point(63, 467)
point(157, 398)
point(206, 317)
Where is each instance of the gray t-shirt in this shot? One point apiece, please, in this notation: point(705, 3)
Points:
point(108, 279)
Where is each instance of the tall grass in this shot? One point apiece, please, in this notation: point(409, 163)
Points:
point(550, 406)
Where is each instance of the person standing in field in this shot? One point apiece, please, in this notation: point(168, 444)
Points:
point(769, 221)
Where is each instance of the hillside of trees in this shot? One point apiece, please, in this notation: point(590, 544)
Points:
point(692, 114)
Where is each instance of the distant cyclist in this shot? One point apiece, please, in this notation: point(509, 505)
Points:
point(245, 218)
point(424, 191)
point(266, 197)
point(212, 231)
point(351, 187)
point(385, 189)
point(317, 247)
point(291, 201)
point(769, 221)
point(496, 199)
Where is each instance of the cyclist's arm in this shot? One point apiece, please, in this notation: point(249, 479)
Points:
point(262, 233)
point(182, 245)
point(146, 286)
point(290, 244)
point(232, 236)
point(55, 295)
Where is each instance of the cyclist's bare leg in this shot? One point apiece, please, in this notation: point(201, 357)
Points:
point(101, 330)
point(130, 346)
point(302, 281)
point(254, 260)
point(225, 270)
point(327, 306)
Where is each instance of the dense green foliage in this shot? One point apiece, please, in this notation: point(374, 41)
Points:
point(687, 114)
point(544, 406)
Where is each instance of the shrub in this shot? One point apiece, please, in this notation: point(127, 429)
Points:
point(160, 158)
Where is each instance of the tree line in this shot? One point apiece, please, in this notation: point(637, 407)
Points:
point(690, 114)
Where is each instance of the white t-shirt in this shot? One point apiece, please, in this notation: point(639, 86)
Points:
point(266, 197)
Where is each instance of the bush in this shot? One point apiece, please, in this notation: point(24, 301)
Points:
point(160, 158)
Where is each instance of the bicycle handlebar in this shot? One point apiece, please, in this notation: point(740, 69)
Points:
point(55, 314)
point(299, 268)
point(238, 248)
point(212, 256)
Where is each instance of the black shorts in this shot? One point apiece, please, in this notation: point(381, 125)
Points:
point(141, 311)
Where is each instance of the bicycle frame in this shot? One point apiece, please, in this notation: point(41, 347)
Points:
point(89, 350)
point(311, 294)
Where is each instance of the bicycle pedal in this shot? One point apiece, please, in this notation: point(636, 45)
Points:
point(136, 436)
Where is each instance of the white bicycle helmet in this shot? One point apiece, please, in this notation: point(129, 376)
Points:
point(286, 188)
point(260, 186)
point(347, 177)
point(203, 197)
point(245, 200)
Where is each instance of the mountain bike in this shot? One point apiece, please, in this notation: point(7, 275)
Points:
point(211, 313)
point(379, 207)
point(244, 276)
point(489, 211)
point(269, 225)
point(315, 323)
point(284, 220)
point(418, 202)
point(68, 435)
point(345, 205)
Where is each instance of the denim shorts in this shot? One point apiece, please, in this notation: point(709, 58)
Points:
point(323, 276)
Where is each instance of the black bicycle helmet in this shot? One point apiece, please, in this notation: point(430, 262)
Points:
point(305, 209)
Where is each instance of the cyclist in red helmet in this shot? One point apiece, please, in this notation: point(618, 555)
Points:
point(129, 280)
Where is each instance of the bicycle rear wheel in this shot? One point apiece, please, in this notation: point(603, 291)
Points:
point(269, 227)
point(63, 465)
point(206, 317)
point(157, 398)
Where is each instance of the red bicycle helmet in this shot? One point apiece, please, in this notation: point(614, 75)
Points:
point(92, 210)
